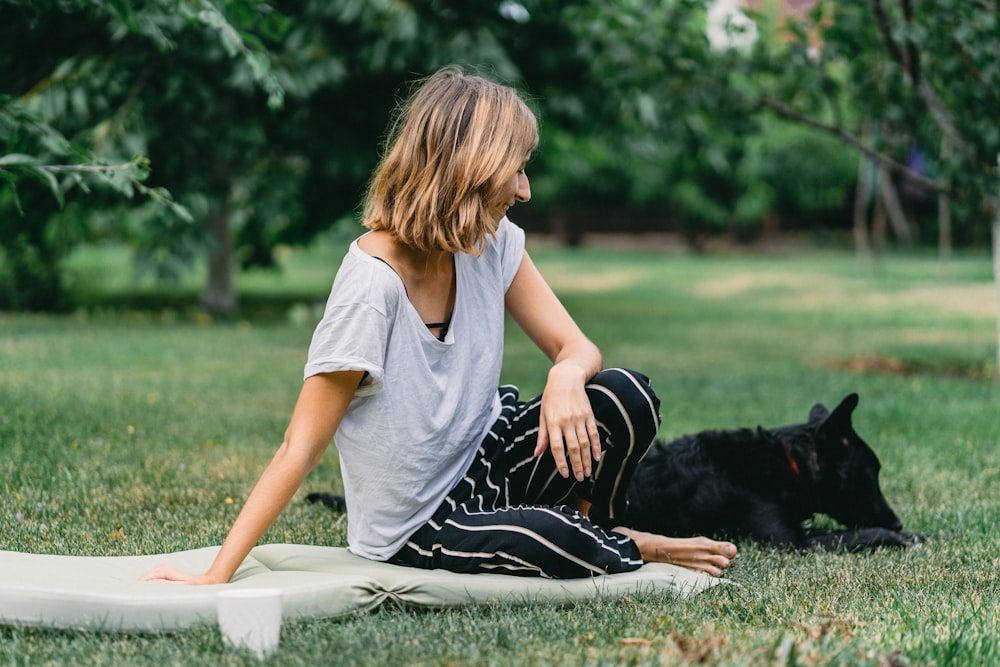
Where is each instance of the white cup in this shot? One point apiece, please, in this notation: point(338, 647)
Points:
point(250, 618)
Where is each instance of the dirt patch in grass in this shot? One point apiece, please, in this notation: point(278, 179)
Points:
point(885, 365)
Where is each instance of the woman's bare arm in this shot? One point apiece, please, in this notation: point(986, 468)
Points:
point(567, 424)
point(320, 407)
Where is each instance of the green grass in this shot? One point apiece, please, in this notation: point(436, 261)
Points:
point(127, 431)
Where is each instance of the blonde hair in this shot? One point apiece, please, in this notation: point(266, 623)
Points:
point(452, 148)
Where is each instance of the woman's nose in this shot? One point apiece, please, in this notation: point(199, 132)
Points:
point(523, 187)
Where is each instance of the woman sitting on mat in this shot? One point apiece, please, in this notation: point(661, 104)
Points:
point(440, 468)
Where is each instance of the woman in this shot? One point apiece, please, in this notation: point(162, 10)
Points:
point(440, 469)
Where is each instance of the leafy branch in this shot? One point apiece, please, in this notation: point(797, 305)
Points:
point(126, 178)
point(908, 59)
point(789, 113)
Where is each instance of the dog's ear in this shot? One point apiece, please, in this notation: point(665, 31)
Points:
point(841, 413)
point(837, 428)
point(818, 413)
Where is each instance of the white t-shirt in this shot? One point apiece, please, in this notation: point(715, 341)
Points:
point(414, 426)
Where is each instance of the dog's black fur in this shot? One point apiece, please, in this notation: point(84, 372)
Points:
point(765, 484)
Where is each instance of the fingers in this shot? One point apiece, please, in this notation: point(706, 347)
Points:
point(567, 425)
point(588, 448)
point(543, 437)
point(554, 443)
point(579, 457)
point(594, 437)
point(160, 572)
point(573, 449)
point(166, 573)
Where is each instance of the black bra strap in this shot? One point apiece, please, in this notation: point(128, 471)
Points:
point(443, 326)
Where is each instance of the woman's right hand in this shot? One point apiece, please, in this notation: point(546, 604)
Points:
point(170, 574)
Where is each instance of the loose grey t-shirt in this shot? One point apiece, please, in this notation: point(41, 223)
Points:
point(414, 426)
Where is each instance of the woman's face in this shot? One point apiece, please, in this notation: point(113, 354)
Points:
point(516, 189)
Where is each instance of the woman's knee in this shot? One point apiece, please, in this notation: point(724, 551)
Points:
point(626, 391)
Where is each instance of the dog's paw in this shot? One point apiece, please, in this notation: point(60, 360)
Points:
point(860, 540)
point(912, 539)
point(333, 501)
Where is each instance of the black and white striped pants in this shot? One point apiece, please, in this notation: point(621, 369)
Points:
point(508, 514)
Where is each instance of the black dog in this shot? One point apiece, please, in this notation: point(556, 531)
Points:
point(764, 484)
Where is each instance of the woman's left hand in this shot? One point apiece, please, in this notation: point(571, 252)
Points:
point(566, 425)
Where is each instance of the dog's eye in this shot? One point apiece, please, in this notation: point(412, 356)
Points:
point(845, 442)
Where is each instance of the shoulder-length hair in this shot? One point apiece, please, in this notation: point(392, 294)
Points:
point(452, 148)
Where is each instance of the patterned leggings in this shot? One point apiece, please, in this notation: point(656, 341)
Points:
point(508, 514)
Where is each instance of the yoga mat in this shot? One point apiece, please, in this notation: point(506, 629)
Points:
point(104, 593)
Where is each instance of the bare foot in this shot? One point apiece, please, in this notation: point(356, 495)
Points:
point(695, 553)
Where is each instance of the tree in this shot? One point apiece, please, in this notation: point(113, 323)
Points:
point(927, 71)
point(258, 118)
point(72, 121)
point(263, 120)
point(671, 132)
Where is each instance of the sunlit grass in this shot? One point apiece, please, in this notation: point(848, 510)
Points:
point(127, 431)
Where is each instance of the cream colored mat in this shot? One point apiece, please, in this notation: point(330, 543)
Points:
point(105, 593)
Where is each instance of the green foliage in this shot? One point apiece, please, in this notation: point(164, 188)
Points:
point(657, 104)
point(810, 177)
point(262, 119)
point(72, 122)
point(143, 433)
point(920, 72)
point(233, 127)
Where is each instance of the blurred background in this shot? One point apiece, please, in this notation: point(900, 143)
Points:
point(196, 139)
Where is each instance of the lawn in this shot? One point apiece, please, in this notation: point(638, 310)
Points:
point(138, 425)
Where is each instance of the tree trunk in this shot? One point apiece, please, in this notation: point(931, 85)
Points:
point(944, 234)
point(944, 218)
point(996, 262)
point(878, 235)
point(566, 227)
point(862, 198)
point(887, 191)
point(219, 296)
point(996, 277)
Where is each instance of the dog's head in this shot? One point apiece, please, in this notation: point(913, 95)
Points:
point(848, 479)
point(841, 469)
